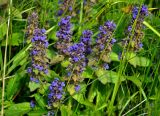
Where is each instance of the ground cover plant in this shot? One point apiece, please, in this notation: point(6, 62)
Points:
point(80, 57)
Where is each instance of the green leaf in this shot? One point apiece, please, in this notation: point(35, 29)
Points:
point(43, 88)
point(14, 85)
point(18, 59)
point(37, 112)
point(135, 80)
point(66, 111)
point(92, 92)
point(18, 109)
point(40, 101)
point(107, 76)
point(33, 86)
point(88, 73)
point(114, 56)
point(65, 63)
point(17, 38)
point(79, 96)
point(3, 30)
point(137, 61)
point(16, 13)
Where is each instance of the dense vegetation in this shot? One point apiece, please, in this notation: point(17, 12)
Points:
point(80, 57)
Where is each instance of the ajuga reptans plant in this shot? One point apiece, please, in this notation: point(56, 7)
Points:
point(134, 30)
point(39, 44)
point(104, 42)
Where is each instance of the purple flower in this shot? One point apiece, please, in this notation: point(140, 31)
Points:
point(86, 39)
point(140, 45)
point(105, 36)
point(34, 80)
point(50, 113)
point(144, 10)
point(129, 28)
point(110, 25)
point(56, 91)
point(69, 74)
point(138, 16)
point(38, 53)
point(77, 88)
point(59, 96)
point(134, 12)
point(45, 71)
point(70, 8)
point(32, 104)
point(119, 55)
point(29, 70)
point(113, 41)
point(106, 66)
point(64, 35)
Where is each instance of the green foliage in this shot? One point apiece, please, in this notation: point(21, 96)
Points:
point(18, 109)
point(131, 85)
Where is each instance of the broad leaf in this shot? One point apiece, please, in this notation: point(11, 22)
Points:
point(14, 85)
point(65, 110)
point(40, 100)
point(18, 109)
point(33, 86)
point(106, 76)
point(137, 61)
point(79, 96)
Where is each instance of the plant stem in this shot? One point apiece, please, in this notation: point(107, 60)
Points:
point(5, 60)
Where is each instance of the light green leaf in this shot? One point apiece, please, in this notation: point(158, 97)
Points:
point(16, 13)
point(33, 86)
point(106, 76)
point(65, 63)
point(42, 90)
point(79, 96)
point(17, 38)
point(135, 80)
point(37, 112)
point(3, 30)
point(92, 92)
point(114, 56)
point(137, 61)
point(65, 110)
point(88, 73)
point(40, 101)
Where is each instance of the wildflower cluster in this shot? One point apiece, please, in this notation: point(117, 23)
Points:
point(32, 25)
point(38, 55)
point(105, 37)
point(64, 36)
point(104, 41)
point(134, 30)
point(77, 58)
point(56, 92)
point(86, 39)
point(66, 6)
